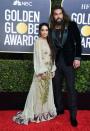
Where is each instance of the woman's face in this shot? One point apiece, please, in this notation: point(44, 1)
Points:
point(44, 31)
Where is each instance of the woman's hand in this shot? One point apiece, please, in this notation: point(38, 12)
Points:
point(43, 75)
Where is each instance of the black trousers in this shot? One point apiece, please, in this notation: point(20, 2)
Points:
point(67, 72)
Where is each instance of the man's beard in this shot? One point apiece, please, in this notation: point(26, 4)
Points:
point(58, 22)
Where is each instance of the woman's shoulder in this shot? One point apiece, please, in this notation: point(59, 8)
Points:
point(38, 42)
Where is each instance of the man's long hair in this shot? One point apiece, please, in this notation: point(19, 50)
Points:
point(66, 18)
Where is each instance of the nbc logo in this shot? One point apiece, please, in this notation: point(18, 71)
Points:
point(23, 3)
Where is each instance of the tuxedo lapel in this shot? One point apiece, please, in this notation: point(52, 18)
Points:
point(54, 39)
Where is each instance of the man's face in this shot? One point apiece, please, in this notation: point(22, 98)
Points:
point(58, 15)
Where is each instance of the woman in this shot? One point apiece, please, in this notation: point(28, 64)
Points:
point(39, 105)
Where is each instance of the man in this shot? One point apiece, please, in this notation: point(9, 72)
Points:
point(65, 37)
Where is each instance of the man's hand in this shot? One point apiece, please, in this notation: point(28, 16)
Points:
point(76, 64)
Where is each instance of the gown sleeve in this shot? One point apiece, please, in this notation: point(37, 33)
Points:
point(39, 66)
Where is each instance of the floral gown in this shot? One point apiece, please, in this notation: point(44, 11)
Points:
point(39, 104)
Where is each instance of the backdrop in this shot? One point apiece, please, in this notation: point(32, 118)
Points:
point(19, 20)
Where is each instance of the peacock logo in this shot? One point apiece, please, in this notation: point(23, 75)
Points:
point(17, 2)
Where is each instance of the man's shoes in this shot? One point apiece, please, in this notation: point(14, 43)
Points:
point(62, 112)
point(74, 122)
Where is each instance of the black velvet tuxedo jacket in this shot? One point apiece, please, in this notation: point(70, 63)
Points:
point(72, 45)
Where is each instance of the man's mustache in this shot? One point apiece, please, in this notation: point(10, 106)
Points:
point(59, 21)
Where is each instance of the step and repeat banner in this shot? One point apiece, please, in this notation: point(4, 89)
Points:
point(79, 10)
point(19, 21)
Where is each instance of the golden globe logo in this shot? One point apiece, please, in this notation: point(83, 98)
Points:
point(84, 19)
point(22, 28)
point(80, 13)
point(19, 29)
point(85, 30)
point(19, 23)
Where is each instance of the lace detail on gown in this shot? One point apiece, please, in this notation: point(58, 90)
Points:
point(20, 118)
